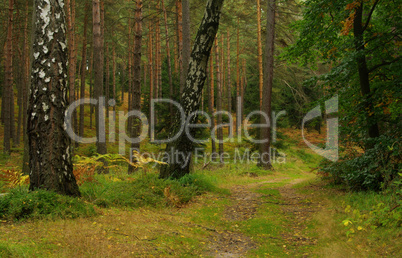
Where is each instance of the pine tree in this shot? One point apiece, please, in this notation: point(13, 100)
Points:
point(265, 133)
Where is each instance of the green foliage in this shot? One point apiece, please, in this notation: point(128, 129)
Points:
point(19, 204)
point(146, 190)
point(369, 210)
point(373, 170)
point(327, 37)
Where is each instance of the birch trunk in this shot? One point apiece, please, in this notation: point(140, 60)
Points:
point(50, 151)
point(190, 99)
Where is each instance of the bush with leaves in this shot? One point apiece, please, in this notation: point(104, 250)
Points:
point(375, 169)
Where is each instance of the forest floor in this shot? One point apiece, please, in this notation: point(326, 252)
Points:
point(280, 214)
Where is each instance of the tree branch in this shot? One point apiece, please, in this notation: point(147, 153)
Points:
point(370, 14)
point(383, 63)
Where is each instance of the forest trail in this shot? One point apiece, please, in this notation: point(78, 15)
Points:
point(245, 204)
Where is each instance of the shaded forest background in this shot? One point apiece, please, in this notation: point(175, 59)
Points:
point(316, 58)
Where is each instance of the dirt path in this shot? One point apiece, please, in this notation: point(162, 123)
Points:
point(245, 205)
point(298, 209)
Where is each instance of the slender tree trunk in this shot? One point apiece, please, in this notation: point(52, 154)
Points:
point(186, 41)
point(83, 68)
point(243, 86)
point(259, 43)
point(211, 103)
point(26, 55)
point(30, 58)
point(98, 72)
point(171, 110)
point(70, 19)
point(358, 30)
point(20, 82)
point(219, 101)
point(50, 152)
point(238, 111)
point(130, 78)
point(8, 94)
point(179, 22)
point(265, 133)
point(229, 81)
point(107, 86)
point(158, 47)
point(114, 79)
point(135, 129)
point(223, 77)
point(91, 87)
point(123, 75)
point(190, 101)
point(151, 72)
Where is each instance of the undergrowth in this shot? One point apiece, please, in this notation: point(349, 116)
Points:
point(145, 190)
point(20, 204)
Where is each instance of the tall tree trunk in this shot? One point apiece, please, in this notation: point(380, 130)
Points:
point(70, 19)
point(223, 77)
point(20, 82)
point(179, 34)
point(83, 68)
point(114, 79)
point(259, 43)
point(30, 58)
point(238, 111)
point(135, 129)
point(171, 110)
point(159, 52)
point(151, 72)
point(129, 60)
point(50, 153)
point(219, 101)
point(212, 102)
point(26, 55)
point(190, 101)
point(265, 133)
point(186, 41)
point(91, 86)
point(98, 72)
point(229, 80)
point(107, 86)
point(8, 95)
point(358, 30)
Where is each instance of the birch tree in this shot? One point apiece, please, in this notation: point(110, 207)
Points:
point(190, 99)
point(50, 162)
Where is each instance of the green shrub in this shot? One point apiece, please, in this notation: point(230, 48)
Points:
point(365, 210)
point(21, 204)
point(374, 170)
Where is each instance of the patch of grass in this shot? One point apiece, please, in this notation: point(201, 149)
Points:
point(6, 251)
point(20, 204)
point(266, 228)
point(146, 190)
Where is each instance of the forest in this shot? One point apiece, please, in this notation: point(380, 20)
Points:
point(214, 128)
